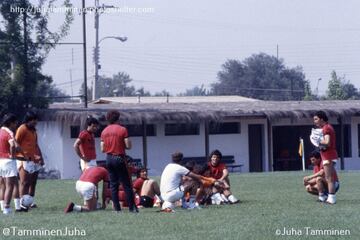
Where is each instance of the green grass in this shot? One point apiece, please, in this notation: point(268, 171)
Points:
point(270, 201)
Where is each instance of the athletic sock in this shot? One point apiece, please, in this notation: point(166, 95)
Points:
point(77, 208)
point(17, 203)
point(2, 205)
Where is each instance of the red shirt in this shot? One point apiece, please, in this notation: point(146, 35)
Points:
point(330, 153)
point(217, 172)
point(137, 185)
point(319, 167)
point(5, 137)
point(87, 146)
point(95, 175)
point(113, 137)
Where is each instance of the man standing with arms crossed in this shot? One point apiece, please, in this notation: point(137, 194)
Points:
point(328, 153)
point(85, 144)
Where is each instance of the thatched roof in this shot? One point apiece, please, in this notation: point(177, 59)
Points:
point(183, 111)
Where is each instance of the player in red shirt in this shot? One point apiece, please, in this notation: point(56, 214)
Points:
point(8, 169)
point(147, 189)
point(87, 186)
point(85, 144)
point(219, 171)
point(114, 141)
point(328, 154)
point(316, 182)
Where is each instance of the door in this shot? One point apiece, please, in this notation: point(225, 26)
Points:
point(256, 147)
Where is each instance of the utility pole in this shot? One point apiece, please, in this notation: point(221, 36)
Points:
point(84, 51)
point(96, 50)
point(27, 80)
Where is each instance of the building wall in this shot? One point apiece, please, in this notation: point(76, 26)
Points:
point(50, 140)
point(58, 151)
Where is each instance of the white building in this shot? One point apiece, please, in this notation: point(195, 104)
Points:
point(261, 135)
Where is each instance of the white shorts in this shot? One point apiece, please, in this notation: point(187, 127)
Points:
point(171, 197)
point(8, 168)
point(84, 164)
point(29, 166)
point(86, 189)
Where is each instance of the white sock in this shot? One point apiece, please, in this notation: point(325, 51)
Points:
point(77, 208)
point(17, 203)
point(2, 205)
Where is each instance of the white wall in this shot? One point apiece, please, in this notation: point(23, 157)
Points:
point(50, 141)
point(353, 163)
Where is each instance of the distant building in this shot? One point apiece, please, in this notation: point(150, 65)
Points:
point(261, 135)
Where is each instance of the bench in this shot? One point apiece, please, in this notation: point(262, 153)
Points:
point(228, 160)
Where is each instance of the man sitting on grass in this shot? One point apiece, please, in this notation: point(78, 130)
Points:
point(219, 171)
point(316, 183)
point(147, 189)
point(86, 186)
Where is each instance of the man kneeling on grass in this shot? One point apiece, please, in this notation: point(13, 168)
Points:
point(86, 186)
point(170, 182)
point(316, 183)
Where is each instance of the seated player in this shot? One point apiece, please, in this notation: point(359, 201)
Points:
point(219, 171)
point(316, 183)
point(170, 183)
point(197, 193)
point(147, 189)
point(87, 186)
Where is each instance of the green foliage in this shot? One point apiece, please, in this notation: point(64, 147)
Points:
point(25, 46)
point(118, 85)
point(260, 76)
point(270, 201)
point(196, 91)
point(340, 89)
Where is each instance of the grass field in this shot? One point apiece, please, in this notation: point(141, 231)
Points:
point(270, 201)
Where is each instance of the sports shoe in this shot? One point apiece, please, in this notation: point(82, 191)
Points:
point(225, 199)
point(167, 210)
point(33, 205)
point(7, 211)
point(216, 199)
point(322, 198)
point(331, 199)
point(233, 199)
point(69, 207)
point(22, 209)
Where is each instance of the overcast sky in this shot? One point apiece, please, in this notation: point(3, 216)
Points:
point(177, 45)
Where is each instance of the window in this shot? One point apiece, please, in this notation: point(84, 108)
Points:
point(133, 130)
point(224, 128)
point(173, 129)
point(137, 130)
point(74, 131)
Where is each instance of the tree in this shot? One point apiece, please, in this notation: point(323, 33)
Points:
point(260, 76)
point(196, 91)
point(25, 42)
point(118, 85)
point(340, 89)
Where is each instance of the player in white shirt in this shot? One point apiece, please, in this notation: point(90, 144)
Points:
point(170, 182)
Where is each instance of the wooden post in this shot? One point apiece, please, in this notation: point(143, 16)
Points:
point(206, 125)
point(144, 142)
point(340, 120)
point(269, 142)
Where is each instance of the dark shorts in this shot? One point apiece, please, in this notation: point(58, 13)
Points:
point(146, 201)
